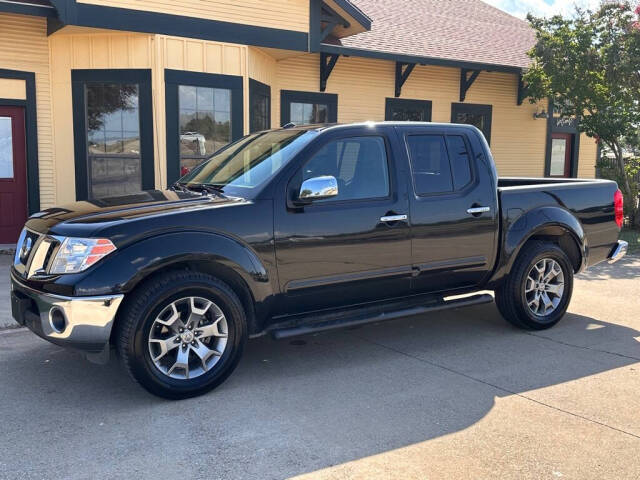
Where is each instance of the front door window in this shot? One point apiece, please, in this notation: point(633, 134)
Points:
point(113, 139)
point(205, 123)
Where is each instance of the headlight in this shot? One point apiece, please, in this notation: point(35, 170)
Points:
point(78, 254)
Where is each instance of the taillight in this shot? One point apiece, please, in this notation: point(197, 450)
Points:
point(618, 204)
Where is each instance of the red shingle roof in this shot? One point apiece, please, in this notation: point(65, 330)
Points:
point(460, 30)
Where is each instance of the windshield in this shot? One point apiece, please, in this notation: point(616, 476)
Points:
point(250, 161)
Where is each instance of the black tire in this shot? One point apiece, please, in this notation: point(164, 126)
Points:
point(139, 314)
point(511, 297)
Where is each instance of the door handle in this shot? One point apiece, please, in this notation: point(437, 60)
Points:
point(478, 210)
point(393, 218)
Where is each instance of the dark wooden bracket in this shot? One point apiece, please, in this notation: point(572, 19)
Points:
point(327, 62)
point(466, 81)
point(403, 70)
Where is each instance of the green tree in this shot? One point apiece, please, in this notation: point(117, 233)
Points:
point(589, 65)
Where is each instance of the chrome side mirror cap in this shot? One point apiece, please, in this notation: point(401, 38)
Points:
point(318, 188)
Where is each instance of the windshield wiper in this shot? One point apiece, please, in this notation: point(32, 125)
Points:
point(211, 188)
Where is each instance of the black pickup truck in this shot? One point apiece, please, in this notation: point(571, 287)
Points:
point(300, 230)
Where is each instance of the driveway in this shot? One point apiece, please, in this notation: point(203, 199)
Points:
point(459, 394)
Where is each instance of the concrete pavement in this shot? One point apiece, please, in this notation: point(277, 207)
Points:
point(459, 394)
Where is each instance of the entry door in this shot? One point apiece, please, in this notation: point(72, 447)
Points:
point(355, 247)
point(560, 155)
point(13, 174)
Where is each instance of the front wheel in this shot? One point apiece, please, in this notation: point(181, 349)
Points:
point(181, 334)
point(537, 292)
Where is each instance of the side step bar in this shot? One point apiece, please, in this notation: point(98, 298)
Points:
point(359, 317)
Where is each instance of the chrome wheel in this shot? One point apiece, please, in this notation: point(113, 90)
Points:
point(188, 338)
point(544, 287)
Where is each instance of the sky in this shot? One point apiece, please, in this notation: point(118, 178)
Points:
point(520, 8)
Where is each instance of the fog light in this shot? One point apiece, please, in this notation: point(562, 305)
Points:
point(57, 320)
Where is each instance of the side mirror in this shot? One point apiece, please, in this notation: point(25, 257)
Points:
point(318, 188)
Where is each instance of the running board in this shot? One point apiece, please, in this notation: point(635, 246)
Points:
point(353, 318)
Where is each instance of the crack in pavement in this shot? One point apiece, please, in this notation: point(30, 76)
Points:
point(582, 347)
point(506, 390)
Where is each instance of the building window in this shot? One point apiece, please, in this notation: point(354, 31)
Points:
point(259, 105)
point(203, 114)
point(477, 115)
point(205, 123)
point(304, 108)
point(404, 110)
point(114, 153)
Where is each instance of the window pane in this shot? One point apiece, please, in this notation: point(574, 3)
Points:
point(558, 156)
point(359, 164)
point(460, 161)
point(6, 148)
point(399, 114)
point(308, 113)
point(205, 123)
point(429, 164)
point(113, 139)
point(259, 112)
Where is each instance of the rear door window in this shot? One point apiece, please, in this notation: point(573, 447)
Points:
point(429, 164)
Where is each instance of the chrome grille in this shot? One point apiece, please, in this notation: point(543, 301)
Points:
point(34, 251)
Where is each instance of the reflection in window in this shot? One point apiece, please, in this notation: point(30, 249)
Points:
point(113, 139)
point(205, 123)
point(309, 113)
point(429, 164)
point(359, 164)
point(259, 112)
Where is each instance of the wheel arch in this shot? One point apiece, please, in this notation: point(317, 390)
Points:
point(553, 224)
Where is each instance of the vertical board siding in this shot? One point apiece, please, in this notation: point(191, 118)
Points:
point(129, 50)
point(282, 14)
point(85, 51)
point(24, 46)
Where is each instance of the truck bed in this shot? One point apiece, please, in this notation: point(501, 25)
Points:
point(590, 201)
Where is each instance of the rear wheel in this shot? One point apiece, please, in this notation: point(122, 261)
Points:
point(181, 334)
point(537, 292)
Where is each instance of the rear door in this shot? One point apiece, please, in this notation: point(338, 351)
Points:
point(343, 250)
point(453, 207)
point(13, 173)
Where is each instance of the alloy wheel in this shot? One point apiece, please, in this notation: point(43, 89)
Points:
point(544, 287)
point(188, 337)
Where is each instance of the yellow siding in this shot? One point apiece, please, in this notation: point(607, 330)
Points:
point(587, 157)
point(23, 46)
point(13, 89)
point(119, 50)
point(262, 67)
point(195, 56)
point(362, 85)
point(282, 14)
point(125, 50)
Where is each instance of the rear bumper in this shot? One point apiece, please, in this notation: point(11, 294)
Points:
point(79, 323)
point(618, 251)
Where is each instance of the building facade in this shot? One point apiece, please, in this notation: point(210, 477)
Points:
point(109, 97)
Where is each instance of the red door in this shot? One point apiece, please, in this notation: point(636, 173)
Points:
point(560, 155)
point(13, 174)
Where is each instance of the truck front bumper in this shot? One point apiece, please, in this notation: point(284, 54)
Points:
point(618, 251)
point(80, 323)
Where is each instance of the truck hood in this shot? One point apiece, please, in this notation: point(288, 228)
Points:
point(158, 207)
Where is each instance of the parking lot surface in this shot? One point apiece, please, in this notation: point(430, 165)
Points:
point(458, 394)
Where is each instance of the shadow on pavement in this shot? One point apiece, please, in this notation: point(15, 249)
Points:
point(298, 407)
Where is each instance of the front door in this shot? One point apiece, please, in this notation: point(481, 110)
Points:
point(347, 249)
point(560, 155)
point(13, 174)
